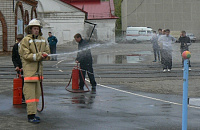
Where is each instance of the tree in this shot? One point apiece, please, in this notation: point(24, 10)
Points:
point(117, 4)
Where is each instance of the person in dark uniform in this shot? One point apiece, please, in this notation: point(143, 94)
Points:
point(84, 57)
point(17, 61)
point(52, 44)
point(185, 43)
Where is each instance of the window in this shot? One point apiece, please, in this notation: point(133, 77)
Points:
point(149, 32)
point(20, 26)
point(132, 32)
point(142, 32)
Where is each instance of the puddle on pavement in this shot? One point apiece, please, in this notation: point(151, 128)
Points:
point(82, 101)
point(131, 58)
point(120, 59)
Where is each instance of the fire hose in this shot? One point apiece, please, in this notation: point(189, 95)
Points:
point(42, 94)
point(41, 86)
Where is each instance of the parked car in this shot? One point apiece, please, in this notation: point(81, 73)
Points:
point(138, 33)
point(191, 36)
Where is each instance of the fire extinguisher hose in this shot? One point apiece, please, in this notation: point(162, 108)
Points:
point(40, 79)
point(83, 79)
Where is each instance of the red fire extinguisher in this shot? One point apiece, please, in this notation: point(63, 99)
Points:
point(75, 80)
point(17, 89)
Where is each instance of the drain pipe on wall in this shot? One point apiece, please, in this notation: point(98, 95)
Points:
point(92, 29)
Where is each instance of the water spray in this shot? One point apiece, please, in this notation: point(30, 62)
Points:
point(75, 52)
point(74, 71)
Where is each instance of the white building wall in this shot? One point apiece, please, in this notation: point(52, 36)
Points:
point(64, 29)
point(64, 21)
point(104, 30)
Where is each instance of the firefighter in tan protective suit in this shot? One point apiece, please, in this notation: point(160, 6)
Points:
point(32, 51)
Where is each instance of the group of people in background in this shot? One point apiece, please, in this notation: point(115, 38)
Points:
point(162, 47)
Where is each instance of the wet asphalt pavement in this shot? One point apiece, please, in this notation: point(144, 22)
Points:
point(107, 109)
point(112, 107)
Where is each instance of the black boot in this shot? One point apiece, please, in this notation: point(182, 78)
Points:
point(81, 88)
point(93, 88)
point(33, 119)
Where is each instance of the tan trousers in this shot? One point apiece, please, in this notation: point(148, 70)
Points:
point(32, 92)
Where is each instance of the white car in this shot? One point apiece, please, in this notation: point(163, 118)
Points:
point(191, 36)
point(139, 33)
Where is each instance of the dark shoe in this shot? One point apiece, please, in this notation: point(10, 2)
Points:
point(34, 120)
point(36, 117)
point(93, 88)
point(154, 61)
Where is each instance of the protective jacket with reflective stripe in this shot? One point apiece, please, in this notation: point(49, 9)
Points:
point(32, 58)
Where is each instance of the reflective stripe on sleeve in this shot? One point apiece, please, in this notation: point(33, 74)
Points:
point(36, 40)
point(33, 78)
point(30, 41)
point(32, 100)
point(34, 57)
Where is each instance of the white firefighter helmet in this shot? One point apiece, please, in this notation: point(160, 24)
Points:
point(33, 22)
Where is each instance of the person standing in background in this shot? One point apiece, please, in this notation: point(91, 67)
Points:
point(17, 61)
point(185, 43)
point(15, 54)
point(52, 44)
point(167, 41)
point(154, 41)
point(161, 32)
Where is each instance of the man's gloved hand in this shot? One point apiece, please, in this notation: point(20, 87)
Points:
point(44, 54)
